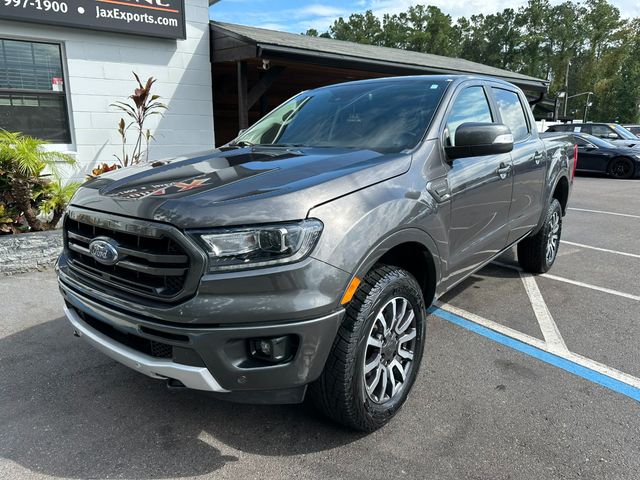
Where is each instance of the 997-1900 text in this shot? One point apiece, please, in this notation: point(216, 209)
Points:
point(46, 5)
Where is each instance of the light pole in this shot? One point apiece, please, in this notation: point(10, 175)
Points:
point(586, 106)
point(566, 87)
point(559, 96)
point(588, 94)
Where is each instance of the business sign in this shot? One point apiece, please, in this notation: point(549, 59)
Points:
point(156, 18)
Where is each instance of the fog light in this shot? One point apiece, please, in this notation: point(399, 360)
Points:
point(273, 350)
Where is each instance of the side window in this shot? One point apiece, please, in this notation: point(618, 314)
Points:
point(471, 105)
point(512, 113)
point(32, 90)
point(601, 131)
point(581, 142)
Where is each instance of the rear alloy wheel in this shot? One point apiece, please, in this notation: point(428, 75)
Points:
point(538, 253)
point(376, 354)
point(621, 168)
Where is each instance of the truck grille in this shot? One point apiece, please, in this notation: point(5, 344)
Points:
point(152, 261)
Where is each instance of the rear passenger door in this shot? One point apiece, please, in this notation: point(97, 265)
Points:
point(529, 161)
point(480, 193)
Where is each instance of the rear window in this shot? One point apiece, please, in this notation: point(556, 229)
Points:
point(559, 128)
point(512, 113)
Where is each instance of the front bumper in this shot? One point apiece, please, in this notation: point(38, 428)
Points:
point(213, 359)
point(198, 378)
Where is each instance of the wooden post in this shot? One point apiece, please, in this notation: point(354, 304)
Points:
point(243, 102)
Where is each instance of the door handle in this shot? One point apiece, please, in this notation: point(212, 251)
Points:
point(537, 157)
point(504, 171)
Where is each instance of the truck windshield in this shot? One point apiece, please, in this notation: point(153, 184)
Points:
point(624, 133)
point(384, 116)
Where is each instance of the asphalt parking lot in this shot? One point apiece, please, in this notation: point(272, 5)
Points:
point(511, 385)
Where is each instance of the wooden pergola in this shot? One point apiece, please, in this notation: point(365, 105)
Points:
point(254, 70)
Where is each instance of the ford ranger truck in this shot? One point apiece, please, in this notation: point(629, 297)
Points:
point(299, 260)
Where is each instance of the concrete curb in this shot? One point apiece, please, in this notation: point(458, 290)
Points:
point(27, 252)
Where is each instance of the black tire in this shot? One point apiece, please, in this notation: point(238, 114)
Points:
point(533, 252)
point(620, 167)
point(340, 392)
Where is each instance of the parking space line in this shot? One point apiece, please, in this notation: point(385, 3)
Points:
point(548, 327)
point(575, 282)
point(600, 249)
point(603, 212)
point(576, 364)
point(592, 287)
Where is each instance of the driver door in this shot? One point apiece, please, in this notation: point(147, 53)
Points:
point(480, 191)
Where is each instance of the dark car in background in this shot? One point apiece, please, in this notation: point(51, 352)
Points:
point(602, 156)
point(635, 129)
point(614, 133)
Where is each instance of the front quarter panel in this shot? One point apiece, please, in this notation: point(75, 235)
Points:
point(359, 228)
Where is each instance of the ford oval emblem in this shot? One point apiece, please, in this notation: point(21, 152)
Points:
point(104, 250)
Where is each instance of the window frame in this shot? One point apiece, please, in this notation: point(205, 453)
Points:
point(524, 111)
point(66, 92)
point(461, 88)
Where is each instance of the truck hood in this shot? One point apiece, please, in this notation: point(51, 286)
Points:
point(235, 186)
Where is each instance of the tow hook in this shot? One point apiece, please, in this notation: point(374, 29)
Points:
point(173, 384)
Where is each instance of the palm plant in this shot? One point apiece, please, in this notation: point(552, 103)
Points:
point(23, 160)
point(57, 196)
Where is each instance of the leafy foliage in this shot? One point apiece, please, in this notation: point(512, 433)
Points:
point(144, 106)
point(25, 190)
point(538, 39)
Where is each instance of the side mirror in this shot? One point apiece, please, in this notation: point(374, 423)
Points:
point(478, 139)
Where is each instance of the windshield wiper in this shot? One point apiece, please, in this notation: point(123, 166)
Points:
point(242, 143)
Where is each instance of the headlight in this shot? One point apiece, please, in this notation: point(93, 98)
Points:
point(260, 246)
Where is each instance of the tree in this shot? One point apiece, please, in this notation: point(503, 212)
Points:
point(361, 28)
point(588, 41)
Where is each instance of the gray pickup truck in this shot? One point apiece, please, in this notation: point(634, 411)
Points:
point(299, 260)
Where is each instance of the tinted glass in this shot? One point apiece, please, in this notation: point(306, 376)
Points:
point(32, 96)
point(601, 131)
point(41, 116)
point(512, 113)
point(470, 105)
point(598, 142)
point(388, 116)
point(624, 133)
point(28, 65)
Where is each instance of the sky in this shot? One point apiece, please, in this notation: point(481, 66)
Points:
point(297, 16)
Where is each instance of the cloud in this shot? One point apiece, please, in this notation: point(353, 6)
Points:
point(295, 16)
point(318, 10)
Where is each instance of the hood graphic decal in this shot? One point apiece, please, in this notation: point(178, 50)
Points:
point(187, 185)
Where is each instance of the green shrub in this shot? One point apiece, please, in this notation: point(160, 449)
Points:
point(25, 191)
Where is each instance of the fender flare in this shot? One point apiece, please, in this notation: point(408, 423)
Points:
point(563, 173)
point(406, 235)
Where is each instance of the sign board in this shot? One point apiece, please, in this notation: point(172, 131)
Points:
point(156, 18)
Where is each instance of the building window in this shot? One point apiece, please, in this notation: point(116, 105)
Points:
point(32, 90)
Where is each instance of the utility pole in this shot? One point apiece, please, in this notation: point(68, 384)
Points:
point(566, 88)
point(586, 107)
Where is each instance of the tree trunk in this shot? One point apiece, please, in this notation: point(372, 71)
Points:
point(57, 215)
point(22, 193)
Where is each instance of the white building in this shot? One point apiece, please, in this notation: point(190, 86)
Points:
point(57, 82)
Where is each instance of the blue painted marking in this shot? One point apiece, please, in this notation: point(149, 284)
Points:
point(550, 358)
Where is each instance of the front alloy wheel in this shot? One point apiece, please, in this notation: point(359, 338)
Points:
point(376, 353)
point(388, 357)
